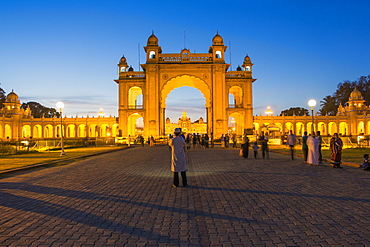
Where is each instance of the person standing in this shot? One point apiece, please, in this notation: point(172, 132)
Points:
point(313, 150)
point(304, 146)
point(222, 141)
point(212, 143)
point(246, 146)
point(319, 138)
point(264, 147)
point(194, 139)
point(336, 145)
point(206, 141)
point(291, 141)
point(151, 141)
point(255, 149)
point(227, 141)
point(178, 159)
point(234, 140)
point(129, 141)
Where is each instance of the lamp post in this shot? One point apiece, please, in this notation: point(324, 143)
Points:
point(60, 106)
point(312, 104)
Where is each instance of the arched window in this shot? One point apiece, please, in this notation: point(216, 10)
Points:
point(218, 54)
point(151, 54)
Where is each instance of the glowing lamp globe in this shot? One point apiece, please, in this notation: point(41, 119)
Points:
point(60, 105)
point(312, 103)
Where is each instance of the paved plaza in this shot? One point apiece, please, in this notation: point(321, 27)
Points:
point(125, 198)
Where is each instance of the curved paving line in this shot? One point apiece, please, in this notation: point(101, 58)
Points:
point(55, 162)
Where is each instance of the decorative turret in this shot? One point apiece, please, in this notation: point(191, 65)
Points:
point(218, 49)
point(356, 101)
point(12, 101)
point(247, 65)
point(12, 107)
point(122, 65)
point(152, 49)
point(355, 105)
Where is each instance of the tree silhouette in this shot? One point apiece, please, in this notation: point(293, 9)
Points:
point(39, 110)
point(297, 111)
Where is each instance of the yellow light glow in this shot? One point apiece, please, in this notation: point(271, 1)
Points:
point(268, 112)
point(312, 103)
point(60, 105)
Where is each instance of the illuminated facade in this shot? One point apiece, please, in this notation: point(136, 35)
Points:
point(143, 94)
point(19, 124)
point(352, 119)
point(186, 125)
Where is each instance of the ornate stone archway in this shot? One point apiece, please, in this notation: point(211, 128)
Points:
point(206, 72)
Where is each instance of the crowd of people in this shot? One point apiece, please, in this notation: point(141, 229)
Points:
point(311, 147)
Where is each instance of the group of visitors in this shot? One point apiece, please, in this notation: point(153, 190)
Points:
point(198, 141)
point(311, 148)
point(262, 141)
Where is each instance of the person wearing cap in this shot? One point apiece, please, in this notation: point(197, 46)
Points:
point(178, 162)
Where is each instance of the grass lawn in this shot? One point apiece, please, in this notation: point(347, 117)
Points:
point(26, 159)
point(352, 155)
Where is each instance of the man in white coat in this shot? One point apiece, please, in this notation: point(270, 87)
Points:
point(313, 150)
point(178, 163)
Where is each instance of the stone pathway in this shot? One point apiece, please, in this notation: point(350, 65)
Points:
point(125, 198)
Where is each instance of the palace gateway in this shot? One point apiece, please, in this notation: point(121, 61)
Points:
point(162, 73)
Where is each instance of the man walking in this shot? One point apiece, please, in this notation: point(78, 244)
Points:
point(304, 146)
point(291, 141)
point(178, 163)
point(319, 138)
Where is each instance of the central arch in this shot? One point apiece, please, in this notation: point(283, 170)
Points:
point(185, 81)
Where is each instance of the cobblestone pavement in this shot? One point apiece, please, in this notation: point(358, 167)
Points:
point(125, 198)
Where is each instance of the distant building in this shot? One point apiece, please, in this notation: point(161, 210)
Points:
point(186, 125)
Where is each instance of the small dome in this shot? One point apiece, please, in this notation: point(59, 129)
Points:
point(247, 59)
point(123, 59)
point(130, 69)
point(217, 40)
point(355, 95)
point(238, 68)
point(152, 40)
point(12, 97)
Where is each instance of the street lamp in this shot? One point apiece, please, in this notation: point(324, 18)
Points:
point(268, 112)
point(60, 106)
point(312, 104)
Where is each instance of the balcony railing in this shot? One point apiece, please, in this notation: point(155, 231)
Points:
point(180, 58)
point(135, 107)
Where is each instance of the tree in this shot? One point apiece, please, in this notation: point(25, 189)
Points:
point(329, 105)
point(39, 110)
point(297, 111)
point(2, 97)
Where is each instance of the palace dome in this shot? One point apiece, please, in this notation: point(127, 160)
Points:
point(356, 95)
point(12, 97)
point(152, 40)
point(217, 40)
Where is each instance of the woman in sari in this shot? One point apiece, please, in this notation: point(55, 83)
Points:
point(336, 145)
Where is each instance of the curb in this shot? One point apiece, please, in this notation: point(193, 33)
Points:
point(24, 168)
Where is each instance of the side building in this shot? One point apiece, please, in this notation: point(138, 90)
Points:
point(352, 119)
point(17, 124)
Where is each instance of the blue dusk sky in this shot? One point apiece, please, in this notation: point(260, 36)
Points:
point(68, 50)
